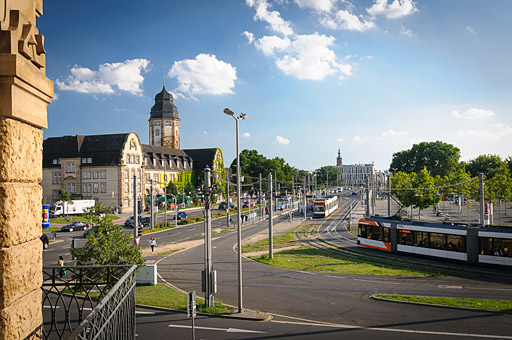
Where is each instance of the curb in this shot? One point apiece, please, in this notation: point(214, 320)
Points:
point(440, 306)
point(267, 317)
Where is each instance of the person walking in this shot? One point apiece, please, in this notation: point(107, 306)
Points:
point(152, 243)
point(62, 270)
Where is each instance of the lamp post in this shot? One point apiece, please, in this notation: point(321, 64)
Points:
point(242, 116)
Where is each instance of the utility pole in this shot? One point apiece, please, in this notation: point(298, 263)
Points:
point(165, 192)
point(135, 210)
point(305, 200)
point(209, 275)
point(151, 213)
point(482, 201)
point(270, 222)
point(367, 196)
point(293, 190)
point(389, 194)
point(261, 212)
point(227, 200)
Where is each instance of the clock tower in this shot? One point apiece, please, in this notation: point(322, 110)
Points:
point(164, 124)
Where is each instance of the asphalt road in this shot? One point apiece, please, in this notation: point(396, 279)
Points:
point(341, 299)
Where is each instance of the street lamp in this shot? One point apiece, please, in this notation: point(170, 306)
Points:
point(242, 116)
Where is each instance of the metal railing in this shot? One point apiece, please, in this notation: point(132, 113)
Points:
point(89, 302)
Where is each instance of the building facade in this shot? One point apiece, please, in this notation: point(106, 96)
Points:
point(355, 175)
point(103, 167)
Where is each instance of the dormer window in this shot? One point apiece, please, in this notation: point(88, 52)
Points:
point(157, 123)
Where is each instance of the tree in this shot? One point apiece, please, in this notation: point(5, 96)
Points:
point(65, 196)
point(328, 172)
point(499, 187)
point(107, 245)
point(438, 157)
point(486, 164)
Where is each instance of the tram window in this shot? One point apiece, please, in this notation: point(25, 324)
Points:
point(421, 239)
point(502, 247)
point(377, 233)
point(385, 233)
point(319, 208)
point(362, 231)
point(456, 243)
point(486, 246)
point(438, 241)
point(405, 237)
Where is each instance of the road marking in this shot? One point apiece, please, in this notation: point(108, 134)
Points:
point(449, 287)
point(147, 313)
point(227, 330)
point(66, 247)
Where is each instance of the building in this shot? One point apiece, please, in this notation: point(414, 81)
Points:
point(103, 167)
point(355, 175)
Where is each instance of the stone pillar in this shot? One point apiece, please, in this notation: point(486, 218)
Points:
point(25, 93)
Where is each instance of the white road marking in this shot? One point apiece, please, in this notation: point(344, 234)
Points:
point(66, 247)
point(147, 313)
point(227, 330)
point(449, 287)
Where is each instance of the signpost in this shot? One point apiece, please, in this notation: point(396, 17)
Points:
point(191, 310)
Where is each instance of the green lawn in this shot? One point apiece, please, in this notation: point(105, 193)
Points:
point(164, 296)
point(70, 219)
point(318, 260)
point(487, 304)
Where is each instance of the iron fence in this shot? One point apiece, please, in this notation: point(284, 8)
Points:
point(88, 302)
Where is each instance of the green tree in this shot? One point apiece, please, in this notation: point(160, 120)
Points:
point(499, 187)
point(65, 196)
point(438, 157)
point(412, 189)
point(328, 172)
point(486, 164)
point(98, 212)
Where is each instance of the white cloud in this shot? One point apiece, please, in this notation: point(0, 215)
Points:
point(317, 5)
point(273, 18)
point(473, 113)
point(205, 132)
point(471, 29)
point(125, 76)
point(281, 140)
point(392, 133)
point(55, 96)
point(246, 134)
point(394, 10)
point(339, 139)
point(406, 31)
point(249, 36)
point(502, 130)
point(270, 44)
point(309, 57)
point(481, 134)
point(348, 21)
point(358, 139)
point(203, 75)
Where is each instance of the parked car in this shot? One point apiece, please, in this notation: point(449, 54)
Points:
point(45, 240)
point(77, 225)
point(91, 230)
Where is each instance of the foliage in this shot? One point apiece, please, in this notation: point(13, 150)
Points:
point(499, 186)
point(327, 172)
point(486, 164)
point(417, 193)
point(438, 157)
point(98, 212)
point(107, 244)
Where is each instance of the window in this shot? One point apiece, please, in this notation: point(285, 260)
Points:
point(126, 187)
point(157, 123)
point(67, 187)
point(86, 175)
point(168, 123)
point(456, 243)
point(139, 175)
point(55, 161)
point(405, 237)
point(157, 132)
point(103, 173)
point(96, 187)
point(438, 241)
point(495, 246)
point(89, 160)
point(95, 174)
point(72, 188)
point(55, 192)
point(421, 239)
point(138, 160)
point(148, 178)
point(103, 187)
point(84, 160)
point(55, 177)
point(126, 174)
point(133, 159)
point(85, 188)
point(70, 167)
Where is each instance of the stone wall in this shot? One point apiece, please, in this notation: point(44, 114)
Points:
point(25, 93)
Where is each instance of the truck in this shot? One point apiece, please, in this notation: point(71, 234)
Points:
point(77, 207)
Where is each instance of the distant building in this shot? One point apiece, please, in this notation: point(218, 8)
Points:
point(354, 175)
point(103, 167)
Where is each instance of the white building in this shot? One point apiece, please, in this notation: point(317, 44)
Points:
point(355, 175)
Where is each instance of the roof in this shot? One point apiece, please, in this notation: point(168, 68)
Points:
point(164, 106)
point(202, 157)
point(165, 153)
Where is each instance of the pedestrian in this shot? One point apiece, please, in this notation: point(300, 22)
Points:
point(152, 243)
point(62, 270)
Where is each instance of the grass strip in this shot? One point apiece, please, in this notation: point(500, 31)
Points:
point(285, 240)
point(485, 304)
point(162, 295)
point(71, 219)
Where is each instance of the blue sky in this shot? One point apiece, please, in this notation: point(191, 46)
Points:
point(369, 77)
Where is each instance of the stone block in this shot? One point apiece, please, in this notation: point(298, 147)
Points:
point(20, 272)
point(21, 152)
point(20, 213)
point(17, 321)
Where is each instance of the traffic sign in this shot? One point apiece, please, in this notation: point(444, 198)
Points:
point(137, 240)
point(191, 304)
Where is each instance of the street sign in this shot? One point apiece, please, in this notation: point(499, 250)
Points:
point(191, 304)
point(137, 240)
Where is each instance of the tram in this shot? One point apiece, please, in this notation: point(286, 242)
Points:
point(471, 244)
point(324, 207)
